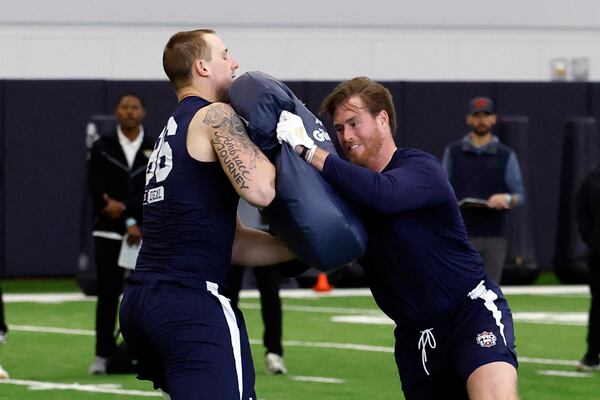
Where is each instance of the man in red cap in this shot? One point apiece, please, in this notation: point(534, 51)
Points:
point(484, 170)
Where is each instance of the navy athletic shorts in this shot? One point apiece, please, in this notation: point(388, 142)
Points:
point(437, 361)
point(189, 342)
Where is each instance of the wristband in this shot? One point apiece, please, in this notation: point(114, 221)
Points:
point(129, 222)
point(508, 200)
point(303, 152)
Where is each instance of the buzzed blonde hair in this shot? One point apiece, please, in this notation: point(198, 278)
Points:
point(181, 51)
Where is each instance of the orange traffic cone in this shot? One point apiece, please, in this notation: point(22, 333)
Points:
point(322, 284)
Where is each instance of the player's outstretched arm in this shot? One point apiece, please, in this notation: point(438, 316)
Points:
point(255, 248)
point(250, 172)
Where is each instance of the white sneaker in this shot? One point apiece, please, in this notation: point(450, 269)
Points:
point(275, 365)
point(3, 373)
point(98, 367)
point(2, 337)
point(590, 362)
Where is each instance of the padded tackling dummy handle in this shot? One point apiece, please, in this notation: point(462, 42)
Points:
point(311, 218)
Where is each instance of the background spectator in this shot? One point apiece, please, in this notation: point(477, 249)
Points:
point(482, 168)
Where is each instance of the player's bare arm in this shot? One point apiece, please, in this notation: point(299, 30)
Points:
point(222, 135)
point(255, 248)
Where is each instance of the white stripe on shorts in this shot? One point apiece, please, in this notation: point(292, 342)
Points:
point(481, 292)
point(233, 331)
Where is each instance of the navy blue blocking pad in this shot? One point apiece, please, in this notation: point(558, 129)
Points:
point(308, 214)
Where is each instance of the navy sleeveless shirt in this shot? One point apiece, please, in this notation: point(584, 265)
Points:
point(189, 209)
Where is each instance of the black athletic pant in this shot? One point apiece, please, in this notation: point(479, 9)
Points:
point(110, 286)
point(3, 326)
point(267, 280)
point(593, 337)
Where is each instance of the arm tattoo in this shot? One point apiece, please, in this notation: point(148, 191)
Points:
point(231, 141)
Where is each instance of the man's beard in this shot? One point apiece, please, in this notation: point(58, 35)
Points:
point(481, 130)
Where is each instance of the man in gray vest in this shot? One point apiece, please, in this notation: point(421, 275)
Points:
point(487, 181)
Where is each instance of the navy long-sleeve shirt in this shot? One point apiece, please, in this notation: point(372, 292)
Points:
point(419, 262)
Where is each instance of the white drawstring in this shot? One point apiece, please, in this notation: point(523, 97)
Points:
point(426, 339)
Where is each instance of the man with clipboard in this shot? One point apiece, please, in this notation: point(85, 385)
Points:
point(487, 181)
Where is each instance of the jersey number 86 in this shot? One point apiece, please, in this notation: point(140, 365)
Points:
point(160, 163)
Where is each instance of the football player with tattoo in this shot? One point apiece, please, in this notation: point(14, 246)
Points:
point(454, 330)
point(188, 339)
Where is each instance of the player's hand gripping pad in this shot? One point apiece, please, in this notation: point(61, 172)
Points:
point(307, 213)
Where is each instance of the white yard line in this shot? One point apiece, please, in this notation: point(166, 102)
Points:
point(548, 361)
point(363, 319)
point(49, 329)
point(318, 379)
point(547, 290)
point(298, 293)
point(109, 388)
point(556, 318)
point(566, 374)
point(51, 298)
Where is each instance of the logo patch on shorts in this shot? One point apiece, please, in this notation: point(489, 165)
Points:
point(486, 339)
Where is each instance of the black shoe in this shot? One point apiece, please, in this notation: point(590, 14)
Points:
point(590, 362)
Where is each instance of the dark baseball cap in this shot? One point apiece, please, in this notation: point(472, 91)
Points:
point(481, 104)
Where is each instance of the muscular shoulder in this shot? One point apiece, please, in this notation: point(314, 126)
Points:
point(216, 117)
point(217, 114)
point(213, 124)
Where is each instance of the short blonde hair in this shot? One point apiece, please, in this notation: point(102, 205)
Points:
point(181, 51)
